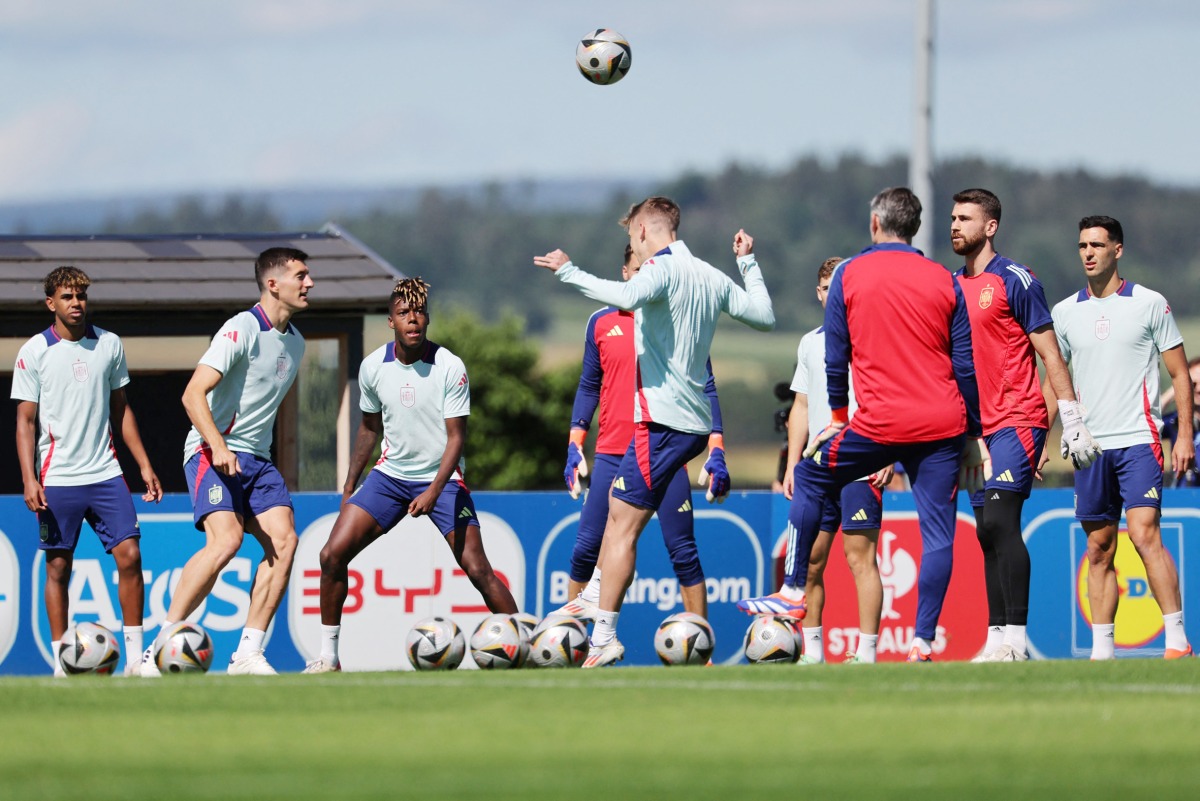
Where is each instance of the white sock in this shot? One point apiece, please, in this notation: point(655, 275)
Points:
point(1102, 641)
point(133, 645)
point(923, 645)
point(792, 593)
point(605, 630)
point(592, 591)
point(1015, 636)
point(252, 640)
point(329, 643)
point(866, 647)
point(1176, 636)
point(54, 645)
point(814, 645)
point(995, 638)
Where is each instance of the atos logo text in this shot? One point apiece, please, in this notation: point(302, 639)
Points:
point(168, 541)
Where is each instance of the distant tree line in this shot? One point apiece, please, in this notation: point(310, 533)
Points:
point(476, 248)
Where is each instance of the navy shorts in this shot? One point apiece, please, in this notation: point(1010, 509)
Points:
point(1015, 455)
point(859, 508)
point(256, 489)
point(386, 499)
point(1125, 477)
point(106, 505)
point(654, 456)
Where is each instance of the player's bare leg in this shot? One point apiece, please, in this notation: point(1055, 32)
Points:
point(619, 551)
point(57, 597)
point(1102, 584)
point(353, 531)
point(861, 548)
point(275, 530)
point(814, 595)
point(618, 555)
point(695, 599)
point(56, 591)
point(1146, 536)
point(223, 532)
point(467, 545)
point(130, 583)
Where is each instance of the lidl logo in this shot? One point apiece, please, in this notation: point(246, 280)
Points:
point(1139, 619)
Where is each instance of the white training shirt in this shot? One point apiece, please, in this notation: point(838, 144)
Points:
point(1112, 345)
point(257, 365)
point(72, 384)
point(810, 380)
point(416, 400)
point(678, 299)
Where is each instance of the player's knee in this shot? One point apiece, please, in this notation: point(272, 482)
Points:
point(1144, 538)
point(333, 560)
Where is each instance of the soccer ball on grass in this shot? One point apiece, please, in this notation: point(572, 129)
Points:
point(771, 639)
point(88, 648)
point(558, 641)
point(436, 643)
point(185, 647)
point(499, 643)
point(684, 639)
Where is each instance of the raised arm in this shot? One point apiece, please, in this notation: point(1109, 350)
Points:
point(751, 305)
point(644, 287)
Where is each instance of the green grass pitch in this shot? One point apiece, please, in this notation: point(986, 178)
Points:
point(1124, 729)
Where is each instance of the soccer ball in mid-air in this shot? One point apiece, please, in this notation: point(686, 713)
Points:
point(773, 639)
point(499, 643)
point(436, 643)
point(88, 648)
point(558, 641)
point(684, 639)
point(603, 56)
point(184, 648)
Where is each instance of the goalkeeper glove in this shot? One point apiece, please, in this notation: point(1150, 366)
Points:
point(714, 474)
point(1077, 441)
point(841, 419)
point(976, 466)
point(576, 462)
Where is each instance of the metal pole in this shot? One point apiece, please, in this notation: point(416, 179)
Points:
point(920, 162)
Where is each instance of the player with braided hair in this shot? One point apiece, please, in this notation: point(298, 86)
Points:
point(415, 394)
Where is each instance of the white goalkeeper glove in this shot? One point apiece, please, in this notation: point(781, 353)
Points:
point(576, 463)
point(1077, 441)
point(976, 466)
point(841, 418)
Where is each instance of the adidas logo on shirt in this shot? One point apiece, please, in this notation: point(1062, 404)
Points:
point(1152, 494)
point(615, 331)
point(687, 506)
point(859, 516)
point(1006, 477)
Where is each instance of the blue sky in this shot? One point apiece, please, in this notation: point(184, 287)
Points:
point(103, 99)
